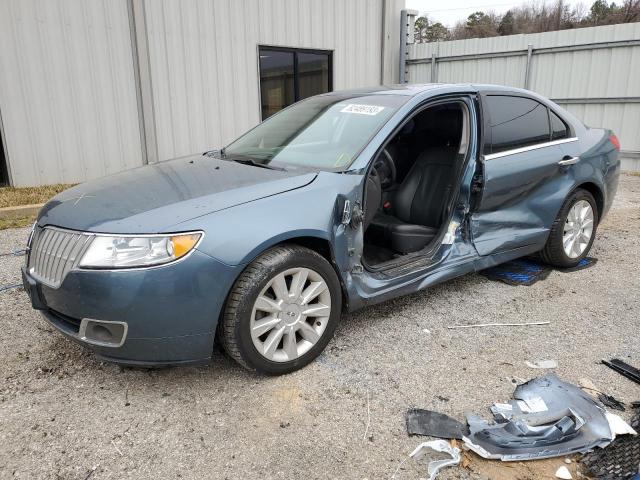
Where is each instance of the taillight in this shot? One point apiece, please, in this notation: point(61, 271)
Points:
point(614, 140)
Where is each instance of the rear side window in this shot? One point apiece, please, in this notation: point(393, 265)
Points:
point(559, 129)
point(516, 122)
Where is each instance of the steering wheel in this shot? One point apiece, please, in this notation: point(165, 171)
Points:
point(385, 168)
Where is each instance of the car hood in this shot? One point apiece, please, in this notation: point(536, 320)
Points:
point(153, 198)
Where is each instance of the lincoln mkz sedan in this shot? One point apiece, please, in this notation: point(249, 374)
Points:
point(340, 201)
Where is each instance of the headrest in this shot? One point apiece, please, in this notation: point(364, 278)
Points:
point(442, 120)
point(438, 156)
point(449, 120)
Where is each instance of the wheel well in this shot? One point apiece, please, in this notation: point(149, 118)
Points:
point(594, 190)
point(318, 245)
point(322, 247)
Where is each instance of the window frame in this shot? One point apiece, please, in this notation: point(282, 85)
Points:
point(566, 125)
point(296, 85)
point(487, 132)
point(418, 109)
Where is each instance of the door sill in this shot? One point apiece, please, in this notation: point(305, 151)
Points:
point(405, 264)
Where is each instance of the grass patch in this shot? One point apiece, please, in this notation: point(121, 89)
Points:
point(16, 222)
point(15, 196)
point(635, 174)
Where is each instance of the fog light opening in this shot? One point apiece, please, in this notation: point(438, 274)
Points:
point(99, 332)
point(103, 333)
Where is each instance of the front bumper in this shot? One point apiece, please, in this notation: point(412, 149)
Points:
point(171, 312)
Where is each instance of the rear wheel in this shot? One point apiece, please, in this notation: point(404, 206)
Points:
point(573, 231)
point(282, 311)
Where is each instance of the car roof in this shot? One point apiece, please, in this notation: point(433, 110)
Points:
point(413, 89)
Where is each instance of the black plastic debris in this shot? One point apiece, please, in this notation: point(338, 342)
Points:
point(434, 424)
point(546, 418)
point(582, 264)
point(620, 460)
point(611, 402)
point(522, 271)
point(623, 368)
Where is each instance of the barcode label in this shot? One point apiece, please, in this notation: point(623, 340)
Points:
point(362, 109)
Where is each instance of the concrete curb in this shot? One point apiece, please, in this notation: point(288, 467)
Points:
point(21, 211)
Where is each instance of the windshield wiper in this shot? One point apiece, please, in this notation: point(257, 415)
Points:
point(252, 162)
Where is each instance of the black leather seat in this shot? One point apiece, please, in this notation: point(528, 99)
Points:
point(418, 206)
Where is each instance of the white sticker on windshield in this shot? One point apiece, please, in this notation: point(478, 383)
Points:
point(362, 109)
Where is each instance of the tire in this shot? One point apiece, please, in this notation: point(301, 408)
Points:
point(240, 323)
point(554, 250)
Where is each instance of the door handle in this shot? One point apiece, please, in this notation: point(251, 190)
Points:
point(568, 161)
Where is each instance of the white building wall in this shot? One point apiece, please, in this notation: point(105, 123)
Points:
point(84, 94)
point(579, 79)
point(67, 92)
point(204, 58)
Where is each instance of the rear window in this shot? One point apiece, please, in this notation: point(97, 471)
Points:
point(516, 122)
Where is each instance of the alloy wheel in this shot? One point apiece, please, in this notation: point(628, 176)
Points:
point(290, 314)
point(578, 229)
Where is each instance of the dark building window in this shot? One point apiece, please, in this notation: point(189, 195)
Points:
point(288, 75)
point(516, 122)
point(4, 174)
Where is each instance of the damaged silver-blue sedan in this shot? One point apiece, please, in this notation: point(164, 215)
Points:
point(337, 202)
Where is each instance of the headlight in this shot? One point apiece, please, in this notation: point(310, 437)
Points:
point(144, 251)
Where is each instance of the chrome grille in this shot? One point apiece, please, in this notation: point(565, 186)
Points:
point(53, 252)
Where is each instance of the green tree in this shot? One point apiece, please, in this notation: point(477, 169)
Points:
point(437, 32)
point(420, 28)
point(427, 31)
point(600, 10)
point(507, 26)
point(479, 24)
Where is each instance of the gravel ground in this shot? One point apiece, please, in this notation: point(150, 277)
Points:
point(64, 414)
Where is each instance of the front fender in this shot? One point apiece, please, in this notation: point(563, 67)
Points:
point(237, 235)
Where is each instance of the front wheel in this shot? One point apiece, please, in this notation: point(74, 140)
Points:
point(573, 231)
point(282, 311)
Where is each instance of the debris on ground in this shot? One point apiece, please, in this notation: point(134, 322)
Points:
point(10, 287)
point(542, 364)
point(515, 380)
point(563, 472)
point(620, 460)
point(611, 402)
point(434, 424)
point(440, 446)
point(527, 271)
point(530, 470)
point(546, 418)
point(607, 400)
point(623, 368)
point(618, 426)
point(498, 325)
point(522, 271)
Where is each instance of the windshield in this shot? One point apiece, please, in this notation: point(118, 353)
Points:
point(325, 132)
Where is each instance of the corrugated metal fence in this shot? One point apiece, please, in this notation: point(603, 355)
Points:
point(592, 72)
